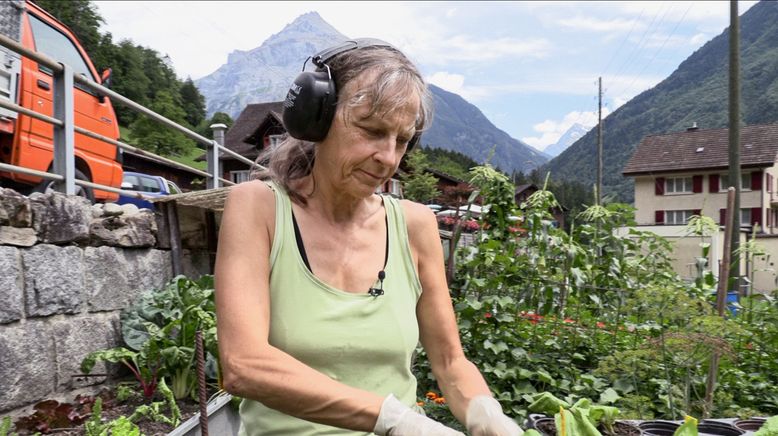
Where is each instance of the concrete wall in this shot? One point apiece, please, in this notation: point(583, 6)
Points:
point(68, 268)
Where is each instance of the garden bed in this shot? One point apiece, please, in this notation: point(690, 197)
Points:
point(70, 418)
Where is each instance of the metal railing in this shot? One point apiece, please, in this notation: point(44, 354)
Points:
point(63, 166)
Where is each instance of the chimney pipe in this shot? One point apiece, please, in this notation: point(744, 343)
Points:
point(693, 127)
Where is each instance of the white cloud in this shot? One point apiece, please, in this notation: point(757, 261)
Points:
point(551, 130)
point(598, 25)
point(699, 39)
point(464, 48)
point(456, 83)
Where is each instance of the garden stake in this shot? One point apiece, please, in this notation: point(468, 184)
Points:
point(721, 295)
point(200, 356)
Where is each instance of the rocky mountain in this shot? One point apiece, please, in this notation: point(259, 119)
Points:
point(460, 126)
point(574, 133)
point(697, 91)
point(264, 74)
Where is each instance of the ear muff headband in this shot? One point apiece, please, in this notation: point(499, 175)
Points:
point(310, 104)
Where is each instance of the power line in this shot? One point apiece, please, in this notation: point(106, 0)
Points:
point(624, 40)
point(639, 47)
point(629, 88)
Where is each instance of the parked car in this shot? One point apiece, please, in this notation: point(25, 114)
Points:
point(148, 185)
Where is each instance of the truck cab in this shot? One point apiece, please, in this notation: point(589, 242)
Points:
point(28, 142)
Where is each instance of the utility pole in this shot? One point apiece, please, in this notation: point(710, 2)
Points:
point(599, 143)
point(734, 139)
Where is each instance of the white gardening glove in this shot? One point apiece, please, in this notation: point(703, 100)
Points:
point(485, 418)
point(397, 419)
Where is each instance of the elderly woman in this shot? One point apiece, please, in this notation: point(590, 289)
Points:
point(324, 288)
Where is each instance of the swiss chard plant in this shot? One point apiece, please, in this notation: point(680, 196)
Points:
point(159, 332)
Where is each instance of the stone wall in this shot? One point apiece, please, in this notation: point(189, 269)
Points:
point(67, 269)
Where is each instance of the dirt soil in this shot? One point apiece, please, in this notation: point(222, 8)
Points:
point(113, 409)
point(619, 429)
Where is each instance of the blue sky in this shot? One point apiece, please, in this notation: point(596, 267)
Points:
point(531, 67)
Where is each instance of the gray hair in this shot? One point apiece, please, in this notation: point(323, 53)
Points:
point(396, 79)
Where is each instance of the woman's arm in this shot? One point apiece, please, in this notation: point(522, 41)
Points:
point(251, 367)
point(457, 377)
point(462, 384)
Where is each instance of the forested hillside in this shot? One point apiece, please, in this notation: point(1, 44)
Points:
point(696, 92)
point(142, 75)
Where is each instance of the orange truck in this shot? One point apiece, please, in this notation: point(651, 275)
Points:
point(28, 142)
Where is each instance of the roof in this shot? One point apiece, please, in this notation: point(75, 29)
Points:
point(703, 149)
point(441, 175)
point(522, 188)
point(248, 121)
point(211, 199)
point(141, 154)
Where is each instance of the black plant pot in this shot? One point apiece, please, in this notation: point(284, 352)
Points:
point(547, 427)
point(658, 428)
point(752, 424)
point(718, 428)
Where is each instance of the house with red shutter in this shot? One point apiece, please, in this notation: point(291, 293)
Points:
point(681, 174)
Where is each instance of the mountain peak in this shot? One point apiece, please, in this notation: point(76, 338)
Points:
point(307, 25)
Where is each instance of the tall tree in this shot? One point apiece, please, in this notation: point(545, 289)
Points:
point(149, 135)
point(193, 103)
point(81, 17)
point(204, 128)
point(419, 185)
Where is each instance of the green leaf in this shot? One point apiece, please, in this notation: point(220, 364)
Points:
point(769, 428)
point(609, 396)
point(113, 355)
point(547, 403)
point(544, 376)
point(688, 428)
point(624, 385)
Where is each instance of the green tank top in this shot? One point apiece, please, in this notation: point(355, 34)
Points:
point(362, 341)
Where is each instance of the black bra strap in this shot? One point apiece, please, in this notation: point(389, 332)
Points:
point(386, 253)
point(301, 247)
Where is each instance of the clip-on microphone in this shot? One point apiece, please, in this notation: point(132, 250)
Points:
point(376, 292)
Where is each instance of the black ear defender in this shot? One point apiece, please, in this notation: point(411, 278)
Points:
point(310, 104)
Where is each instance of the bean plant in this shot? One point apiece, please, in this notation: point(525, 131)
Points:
point(598, 312)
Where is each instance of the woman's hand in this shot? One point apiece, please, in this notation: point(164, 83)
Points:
point(485, 418)
point(397, 419)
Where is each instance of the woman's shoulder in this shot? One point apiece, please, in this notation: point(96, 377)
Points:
point(417, 216)
point(247, 196)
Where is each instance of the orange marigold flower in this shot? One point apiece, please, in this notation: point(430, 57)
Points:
point(440, 400)
point(569, 321)
point(432, 395)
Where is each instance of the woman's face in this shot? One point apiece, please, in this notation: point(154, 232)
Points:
point(362, 152)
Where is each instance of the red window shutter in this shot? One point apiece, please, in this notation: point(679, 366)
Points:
point(722, 216)
point(659, 217)
point(659, 186)
point(696, 184)
point(756, 181)
point(713, 183)
point(756, 215)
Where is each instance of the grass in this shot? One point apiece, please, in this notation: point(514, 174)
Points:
point(186, 159)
